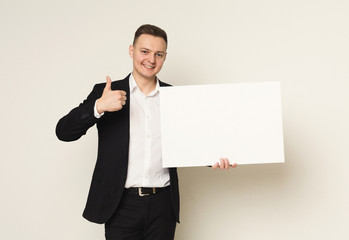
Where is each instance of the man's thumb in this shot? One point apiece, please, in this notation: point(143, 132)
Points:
point(108, 85)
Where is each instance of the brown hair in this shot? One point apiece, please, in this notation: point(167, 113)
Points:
point(151, 30)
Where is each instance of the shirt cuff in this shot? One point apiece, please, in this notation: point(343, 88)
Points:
point(97, 115)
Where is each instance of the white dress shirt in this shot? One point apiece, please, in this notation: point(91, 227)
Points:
point(145, 158)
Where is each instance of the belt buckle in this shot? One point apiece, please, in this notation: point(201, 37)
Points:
point(142, 194)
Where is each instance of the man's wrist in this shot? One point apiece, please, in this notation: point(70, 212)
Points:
point(96, 112)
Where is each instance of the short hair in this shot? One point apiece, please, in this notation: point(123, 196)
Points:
point(151, 30)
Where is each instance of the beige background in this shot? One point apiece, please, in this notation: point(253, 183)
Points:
point(51, 50)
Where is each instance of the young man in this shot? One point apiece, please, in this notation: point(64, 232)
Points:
point(130, 191)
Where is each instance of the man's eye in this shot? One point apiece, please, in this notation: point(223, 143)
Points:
point(159, 55)
point(144, 51)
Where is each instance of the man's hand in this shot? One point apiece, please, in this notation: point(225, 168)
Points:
point(224, 164)
point(111, 101)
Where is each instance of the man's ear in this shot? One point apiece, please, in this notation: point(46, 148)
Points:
point(131, 50)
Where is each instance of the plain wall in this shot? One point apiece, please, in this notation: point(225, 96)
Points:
point(53, 52)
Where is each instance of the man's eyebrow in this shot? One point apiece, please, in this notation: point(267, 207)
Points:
point(143, 48)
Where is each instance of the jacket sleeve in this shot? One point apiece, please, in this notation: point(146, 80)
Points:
point(76, 123)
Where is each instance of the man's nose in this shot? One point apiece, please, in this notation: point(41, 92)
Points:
point(151, 58)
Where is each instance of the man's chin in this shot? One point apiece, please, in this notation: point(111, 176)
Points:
point(147, 74)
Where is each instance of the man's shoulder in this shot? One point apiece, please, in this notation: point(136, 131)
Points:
point(163, 84)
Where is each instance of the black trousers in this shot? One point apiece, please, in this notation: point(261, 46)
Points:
point(143, 218)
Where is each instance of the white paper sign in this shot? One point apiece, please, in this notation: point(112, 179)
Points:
point(240, 121)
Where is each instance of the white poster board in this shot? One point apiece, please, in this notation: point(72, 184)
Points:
point(239, 121)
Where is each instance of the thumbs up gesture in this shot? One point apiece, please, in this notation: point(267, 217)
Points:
point(111, 100)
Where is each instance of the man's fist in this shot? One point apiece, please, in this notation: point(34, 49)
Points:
point(111, 101)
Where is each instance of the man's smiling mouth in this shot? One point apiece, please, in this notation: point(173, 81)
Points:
point(149, 67)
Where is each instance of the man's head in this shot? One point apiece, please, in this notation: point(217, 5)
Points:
point(148, 52)
point(150, 30)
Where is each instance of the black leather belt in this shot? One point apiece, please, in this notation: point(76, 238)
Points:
point(144, 191)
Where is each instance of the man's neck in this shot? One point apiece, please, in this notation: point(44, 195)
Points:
point(145, 85)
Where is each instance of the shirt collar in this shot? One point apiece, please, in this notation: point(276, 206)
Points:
point(133, 85)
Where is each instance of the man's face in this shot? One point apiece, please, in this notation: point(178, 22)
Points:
point(148, 54)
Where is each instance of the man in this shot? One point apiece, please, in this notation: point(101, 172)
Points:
point(130, 191)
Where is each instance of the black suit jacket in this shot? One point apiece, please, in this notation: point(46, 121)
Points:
point(110, 171)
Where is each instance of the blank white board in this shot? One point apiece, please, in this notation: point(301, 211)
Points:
point(239, 121)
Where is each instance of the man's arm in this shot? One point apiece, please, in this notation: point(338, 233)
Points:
point(76, 123)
